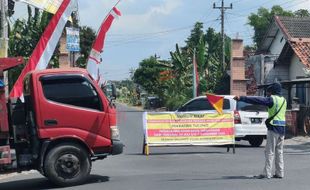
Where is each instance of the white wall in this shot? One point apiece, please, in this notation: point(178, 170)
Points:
point(297, 70)
point(277, 44)
point(278, 72)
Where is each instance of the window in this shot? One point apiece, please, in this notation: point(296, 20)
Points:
point(242, 106)
point(72, 90)
point(203, 105)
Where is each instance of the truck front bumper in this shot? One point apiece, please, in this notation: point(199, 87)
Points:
point(117, 147)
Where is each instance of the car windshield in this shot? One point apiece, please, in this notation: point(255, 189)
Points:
point(242, 106)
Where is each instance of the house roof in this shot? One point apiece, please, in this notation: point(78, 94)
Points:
point(296, 31)
point(295, 27)
point(302, 50)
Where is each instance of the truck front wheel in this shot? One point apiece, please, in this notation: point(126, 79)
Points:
point(67, 164)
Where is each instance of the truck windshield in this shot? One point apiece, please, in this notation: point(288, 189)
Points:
point(242, 106)
point(76, 91)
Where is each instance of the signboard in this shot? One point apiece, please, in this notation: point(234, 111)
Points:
point(47, 5)
point(171, 128)
point(73, 39)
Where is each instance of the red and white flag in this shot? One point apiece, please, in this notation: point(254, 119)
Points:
point(94, 57)
point(195, 77)
point(45, 48)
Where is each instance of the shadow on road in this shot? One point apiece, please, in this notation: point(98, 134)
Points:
point(238, 177)
point(43, 183)
point(185, 153)
point(206, 179)
point(184, 150)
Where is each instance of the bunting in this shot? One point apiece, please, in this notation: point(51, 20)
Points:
point(195, 77)
point(94, 58)
point(44, 50)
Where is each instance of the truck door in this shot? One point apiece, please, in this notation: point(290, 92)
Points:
point(71, 107)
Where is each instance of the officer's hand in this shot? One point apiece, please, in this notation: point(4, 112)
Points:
point(237, 98)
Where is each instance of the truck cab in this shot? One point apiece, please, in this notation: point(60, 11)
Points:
point(64, 124)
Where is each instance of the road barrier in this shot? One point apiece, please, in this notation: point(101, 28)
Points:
point(188, 128)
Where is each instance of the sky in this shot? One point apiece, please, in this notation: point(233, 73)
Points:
point(153, 27)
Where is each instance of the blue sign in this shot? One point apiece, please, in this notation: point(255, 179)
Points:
point(73, 39)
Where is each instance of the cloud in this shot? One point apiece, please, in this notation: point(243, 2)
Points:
point(137, 16)
point(148, 20)
point(165, 9)
point(301, 5)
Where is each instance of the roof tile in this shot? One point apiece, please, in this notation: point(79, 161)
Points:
point(302, 50)
point(296, 27)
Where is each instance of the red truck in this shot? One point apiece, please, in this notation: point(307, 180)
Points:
point(64, 123)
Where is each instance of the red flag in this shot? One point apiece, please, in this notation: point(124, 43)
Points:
point(44, 50)
point(94, 57)
point(216, 102)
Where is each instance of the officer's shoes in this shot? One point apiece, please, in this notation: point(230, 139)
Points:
point(277, 176)
point(261, 176)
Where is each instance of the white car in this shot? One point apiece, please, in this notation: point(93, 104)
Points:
point(249, 118)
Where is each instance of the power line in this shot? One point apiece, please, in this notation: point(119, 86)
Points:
point(147, 36)
point(163, 31)
point(254, 7)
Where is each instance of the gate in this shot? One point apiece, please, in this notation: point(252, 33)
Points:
point(304, 119)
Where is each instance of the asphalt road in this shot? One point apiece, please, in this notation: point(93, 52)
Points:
point(188, 168)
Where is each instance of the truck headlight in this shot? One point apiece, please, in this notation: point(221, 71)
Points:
point(115, 133)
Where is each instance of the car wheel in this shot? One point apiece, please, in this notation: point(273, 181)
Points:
point(256, 141)
point(67, 164)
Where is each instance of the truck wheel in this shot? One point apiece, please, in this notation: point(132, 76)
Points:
point(256, 141)
point(67, 164)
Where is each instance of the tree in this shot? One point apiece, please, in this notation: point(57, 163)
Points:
point(302, 13)
point(128, 92)
point(195, 37)
point(24, 36)
point(148, 75)
point(261, 20)
point(87, 37)
point(175, 87)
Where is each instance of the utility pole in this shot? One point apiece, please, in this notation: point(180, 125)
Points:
point(223, 8)
point(4, 37)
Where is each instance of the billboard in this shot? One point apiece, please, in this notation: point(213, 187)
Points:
point(47, 5)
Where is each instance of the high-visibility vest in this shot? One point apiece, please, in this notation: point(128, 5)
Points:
point(279, 119)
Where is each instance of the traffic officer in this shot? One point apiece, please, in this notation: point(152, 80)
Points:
point(275, 123)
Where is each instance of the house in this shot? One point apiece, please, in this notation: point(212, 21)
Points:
point(284, 56)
